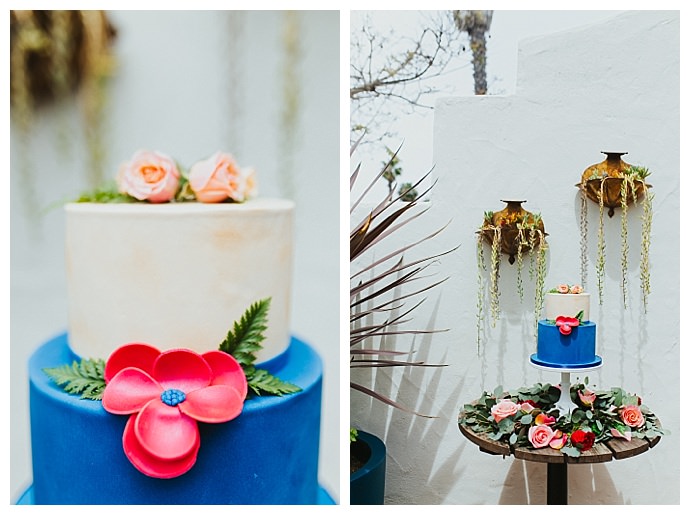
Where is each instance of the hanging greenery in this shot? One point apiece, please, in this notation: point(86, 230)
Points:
point(55, 54)
point(511, 231)
point(614, 183)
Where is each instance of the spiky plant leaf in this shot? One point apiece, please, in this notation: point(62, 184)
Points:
point(84, 378)
point(262, 382)
point(247, 333)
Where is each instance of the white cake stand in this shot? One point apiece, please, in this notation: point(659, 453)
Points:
point(565, 403)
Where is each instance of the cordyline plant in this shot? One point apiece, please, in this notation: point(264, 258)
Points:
point(378, 289)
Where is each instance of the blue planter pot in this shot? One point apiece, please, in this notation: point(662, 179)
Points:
point(367, 485)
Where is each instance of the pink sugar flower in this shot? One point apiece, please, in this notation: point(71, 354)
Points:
point(576, 289)
point(562, 288)
point(565, 324)
point(165, 394)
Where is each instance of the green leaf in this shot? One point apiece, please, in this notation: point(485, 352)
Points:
point(84, 378)
point(261, 382)
point(573, 452)
point(513, 438)
point(105, 195)
point(244, 339)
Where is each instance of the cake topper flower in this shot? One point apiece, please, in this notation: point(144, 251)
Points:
point(150, 176)
point(566, 288)
point(219, 178)
point(166, 394)
point(156, 178)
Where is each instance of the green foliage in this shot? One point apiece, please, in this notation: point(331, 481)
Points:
point(244, 341)
point(84, 378)
point(600, 417)
point(353, 435)
point(261, 382)
point(247, 333)
point(105, 195)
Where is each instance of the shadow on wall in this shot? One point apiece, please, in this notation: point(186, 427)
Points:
point(525, 483)
point(412, 441)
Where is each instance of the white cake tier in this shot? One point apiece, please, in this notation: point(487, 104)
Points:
point(176, 275)
point(566, 304)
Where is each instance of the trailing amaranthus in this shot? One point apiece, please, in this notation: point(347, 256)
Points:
point(601, 247)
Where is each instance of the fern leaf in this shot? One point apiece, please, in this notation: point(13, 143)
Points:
point(262, 382)
point(83, 378)
point(246, 335)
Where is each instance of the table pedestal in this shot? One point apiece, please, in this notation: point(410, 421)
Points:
point(557, 483)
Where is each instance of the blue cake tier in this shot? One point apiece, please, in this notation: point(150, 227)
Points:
point(574, 350)
point(267, 455)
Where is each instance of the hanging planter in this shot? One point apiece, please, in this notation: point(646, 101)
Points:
point(612, 184)
point(512, 231)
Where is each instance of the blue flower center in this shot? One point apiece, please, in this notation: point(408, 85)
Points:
point(173, 397)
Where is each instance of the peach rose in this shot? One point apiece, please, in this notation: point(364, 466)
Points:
point(576, 288)
point(504, 408)
point(632, 416)
point(542, 419)
point(540, 436)
point(149, 176)
point(219, 178)
point(562, 288)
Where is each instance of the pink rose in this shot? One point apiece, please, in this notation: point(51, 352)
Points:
point(562, 288)
point(219, 178)
point(632, 416)
point(586, 397)
point(540, 436)
point(149, 176)
point(576, 289)
point(558, 440)
point(504, 408)
point(526, 407)
point(627, 435)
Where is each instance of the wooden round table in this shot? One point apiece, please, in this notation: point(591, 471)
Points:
point(557, 462)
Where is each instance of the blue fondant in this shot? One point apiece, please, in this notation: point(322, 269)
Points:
point(574, 350)
point(534, 359)
point(267, 455)
point(323, 497)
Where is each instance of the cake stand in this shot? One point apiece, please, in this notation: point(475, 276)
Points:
point(565, 404)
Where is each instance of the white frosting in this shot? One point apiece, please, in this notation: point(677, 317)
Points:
point(176, 275)
point(566, 304)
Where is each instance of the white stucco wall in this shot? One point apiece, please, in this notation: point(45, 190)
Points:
point(190, 83)
point(608, 86)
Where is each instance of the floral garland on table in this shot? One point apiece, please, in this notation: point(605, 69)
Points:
point(528, 417)
point(165, 394)
point(156, 178)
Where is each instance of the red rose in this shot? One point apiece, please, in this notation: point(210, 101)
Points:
point(583, 440)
